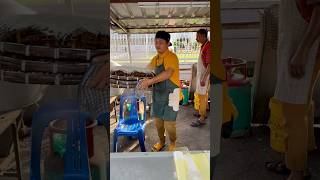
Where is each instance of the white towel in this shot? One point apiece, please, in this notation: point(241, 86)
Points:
point(174, 99)
point(291, 30)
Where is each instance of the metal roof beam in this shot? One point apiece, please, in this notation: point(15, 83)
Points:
point(136, 1)
point(126, 6)
point(169, 27)
point(117, 22)
point(162, 18)
point(241, 25)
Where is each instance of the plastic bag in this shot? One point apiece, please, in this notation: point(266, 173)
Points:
point(59, 143)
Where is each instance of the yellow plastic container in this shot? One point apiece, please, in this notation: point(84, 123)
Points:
point(276, 124)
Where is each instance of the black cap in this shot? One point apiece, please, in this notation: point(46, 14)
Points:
point(203, 32)
point(163, 35)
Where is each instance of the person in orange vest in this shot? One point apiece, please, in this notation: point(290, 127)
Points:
point(298, 70)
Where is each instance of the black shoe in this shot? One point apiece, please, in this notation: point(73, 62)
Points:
point(196, 115)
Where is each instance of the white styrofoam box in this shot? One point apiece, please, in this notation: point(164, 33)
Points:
point(142, 166)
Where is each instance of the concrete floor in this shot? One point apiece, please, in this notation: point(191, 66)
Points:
point(244, 159)
point(187, 136)
point(240, 159)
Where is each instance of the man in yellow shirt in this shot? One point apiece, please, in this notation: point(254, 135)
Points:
point(166, 90)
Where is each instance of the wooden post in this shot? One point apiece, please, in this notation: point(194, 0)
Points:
point(16, 150)
point(217, 68)
point(11, 120)
point(217, 77)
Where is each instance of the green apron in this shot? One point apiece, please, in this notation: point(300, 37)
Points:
point(161, 91)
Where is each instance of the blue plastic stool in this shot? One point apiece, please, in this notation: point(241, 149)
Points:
point(76, 159)
point(132, 126)
point(75, 112)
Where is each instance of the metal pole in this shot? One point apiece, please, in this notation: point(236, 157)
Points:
point(129, 48)
point(146, 43)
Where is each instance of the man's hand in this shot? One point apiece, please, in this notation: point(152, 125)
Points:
point(144, 84)
point(204, 76)
point(297, 64)
point(203, 82)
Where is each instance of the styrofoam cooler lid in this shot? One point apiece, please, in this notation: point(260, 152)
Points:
point(146, 166)
point(11, 7)
point(15, 96)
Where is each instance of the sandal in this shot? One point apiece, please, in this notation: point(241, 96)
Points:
point(307, 176)
point(278, 167)
point(158, 147)
point(198, 115)
point(197, 123)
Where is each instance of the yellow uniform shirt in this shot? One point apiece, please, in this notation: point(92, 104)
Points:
point(168, 60)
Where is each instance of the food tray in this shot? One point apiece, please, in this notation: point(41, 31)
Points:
point(125, 78)
point(50, 52)
point(114, 81)
point(40, 78)
point(133, 74)
point(23, 65)
point(123, 86)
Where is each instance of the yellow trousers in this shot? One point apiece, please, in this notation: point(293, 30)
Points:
point(166, 126)
point(203, 105)
point(229, 110)
point(197, 101)
point(299, 135)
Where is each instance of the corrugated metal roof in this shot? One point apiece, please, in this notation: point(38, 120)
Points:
point(149, 17)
